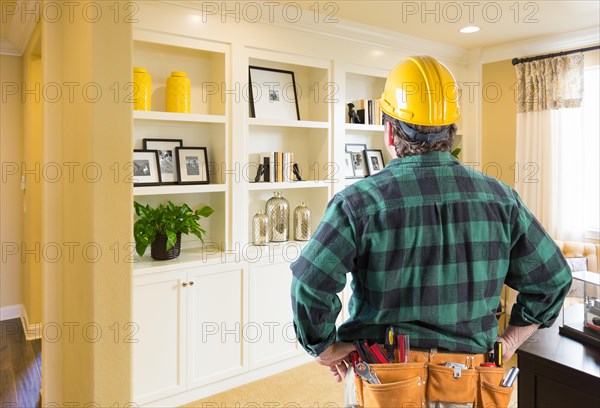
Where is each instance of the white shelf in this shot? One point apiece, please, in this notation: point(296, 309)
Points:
point(364, 128)
point(188, 257)
point(289, 185)
point(179, 189)
point(289, 123)
point(178, 117)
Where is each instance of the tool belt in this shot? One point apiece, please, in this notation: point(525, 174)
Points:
point(426, 379)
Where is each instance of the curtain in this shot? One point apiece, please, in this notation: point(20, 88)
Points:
point(549, 96)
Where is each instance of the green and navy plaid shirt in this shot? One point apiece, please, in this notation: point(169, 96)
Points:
point(429, 243)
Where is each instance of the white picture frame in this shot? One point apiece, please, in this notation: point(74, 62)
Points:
point(348, 164)
point(359, 164)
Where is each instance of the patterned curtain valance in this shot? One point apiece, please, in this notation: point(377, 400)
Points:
point(550, 83)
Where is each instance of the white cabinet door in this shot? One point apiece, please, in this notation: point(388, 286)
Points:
point(270, 331)
point(215, 324)
point(159, 311)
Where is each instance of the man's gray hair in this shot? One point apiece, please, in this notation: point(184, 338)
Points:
point(407, 147)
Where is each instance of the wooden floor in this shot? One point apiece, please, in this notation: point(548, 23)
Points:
point(20, 367)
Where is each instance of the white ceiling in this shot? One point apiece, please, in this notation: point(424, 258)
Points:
point(501, 22)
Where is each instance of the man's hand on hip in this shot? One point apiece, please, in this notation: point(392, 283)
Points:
point(513, 337)
point(334, 357)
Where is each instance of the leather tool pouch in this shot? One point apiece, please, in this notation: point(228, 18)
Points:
point(426, 380)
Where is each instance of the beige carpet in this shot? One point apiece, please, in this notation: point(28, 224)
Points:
point(309, 385)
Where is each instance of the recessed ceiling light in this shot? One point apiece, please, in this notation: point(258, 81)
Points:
point(469, 29)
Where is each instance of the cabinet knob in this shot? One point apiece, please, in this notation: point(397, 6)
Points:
point(191, 283)
point(184, 284)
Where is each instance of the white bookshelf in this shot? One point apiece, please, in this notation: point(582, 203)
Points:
point(307, 124)
point(305, 184)
point(359, 127)
point(178, 189)
point(310, 138)
point(178, 117)
point(205, 63)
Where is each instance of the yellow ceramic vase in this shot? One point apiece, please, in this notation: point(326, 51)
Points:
point(178, 93)
point(142, 89)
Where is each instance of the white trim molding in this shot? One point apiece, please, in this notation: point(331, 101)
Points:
point(10, 312)
point(541, 45)
point(346, 30)
point(22, 19)
point(32, 331)
point(7, 48)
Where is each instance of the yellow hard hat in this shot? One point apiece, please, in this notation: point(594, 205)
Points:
point(421, 91)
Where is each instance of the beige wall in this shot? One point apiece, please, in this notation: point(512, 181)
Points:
point(32, 252)
point(11, 196)
point(499, 120)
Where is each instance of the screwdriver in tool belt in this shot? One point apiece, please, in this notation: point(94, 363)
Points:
point(498, 353)
point(403, 348)
point(390, 339)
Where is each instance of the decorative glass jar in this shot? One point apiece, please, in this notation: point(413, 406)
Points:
point(302, 227)
point(178, 92)
point(278, 211)
point(142, 89)
point(260, 229)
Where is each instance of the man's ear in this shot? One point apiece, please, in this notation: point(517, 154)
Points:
point(388, 137)
point(389, 134)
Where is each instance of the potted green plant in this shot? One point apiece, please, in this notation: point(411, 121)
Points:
point(161, 228)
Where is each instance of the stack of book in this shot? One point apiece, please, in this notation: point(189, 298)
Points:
point(277, 166)
point(368, 110)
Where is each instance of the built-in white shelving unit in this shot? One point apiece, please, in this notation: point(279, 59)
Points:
point(205, 63)
point(310, 138)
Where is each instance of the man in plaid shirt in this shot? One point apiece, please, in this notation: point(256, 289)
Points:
point(429, 242)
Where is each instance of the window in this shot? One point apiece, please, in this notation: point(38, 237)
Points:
point(576, 165)
point(591, 151)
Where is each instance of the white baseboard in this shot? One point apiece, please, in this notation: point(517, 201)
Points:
point(32, 331)
point(10, 312)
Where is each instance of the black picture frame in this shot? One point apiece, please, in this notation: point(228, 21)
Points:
point(359, 163)
point(146, 170)
point(374, 158)
point(192, 165)
point(269, 94)
point(167, 158)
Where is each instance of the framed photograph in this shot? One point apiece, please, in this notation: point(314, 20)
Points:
point(357, 156)
point(145, 168)
point(374, 160)
point(273, 94)
point(166, 157)
point(192, 165)
point(349, 168)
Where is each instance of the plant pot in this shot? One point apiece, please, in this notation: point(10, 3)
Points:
point(158, 248)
